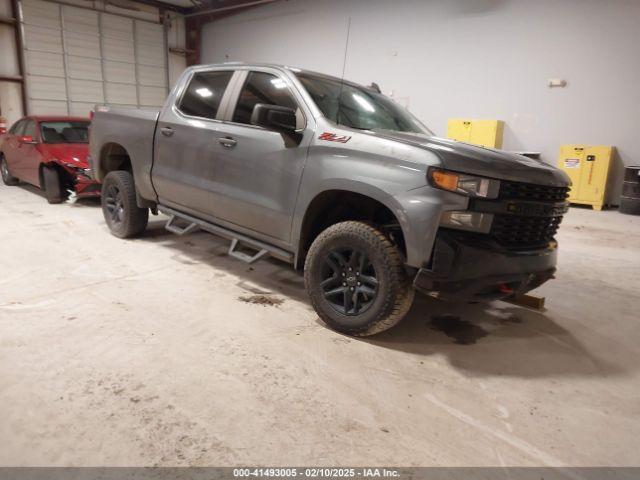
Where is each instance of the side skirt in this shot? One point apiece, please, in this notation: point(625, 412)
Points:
point(236, 238)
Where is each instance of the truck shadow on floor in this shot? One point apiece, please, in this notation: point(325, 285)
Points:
point(497, 339)
point(482, 339)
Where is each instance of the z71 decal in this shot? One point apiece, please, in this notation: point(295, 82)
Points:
point(332, 137)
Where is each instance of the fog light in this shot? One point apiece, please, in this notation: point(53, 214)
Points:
point(470, 221)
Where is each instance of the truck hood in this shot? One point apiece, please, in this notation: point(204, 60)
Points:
point(487, 162)
point(73, 153)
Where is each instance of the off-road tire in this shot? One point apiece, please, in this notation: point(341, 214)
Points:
point(52, 185)
point(394, 291)
point(121, 212)
point(7, 178)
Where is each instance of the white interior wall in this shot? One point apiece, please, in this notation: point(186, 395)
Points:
point(467, 58)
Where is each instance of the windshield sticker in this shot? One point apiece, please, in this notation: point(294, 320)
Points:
point(332, 137)
point(571, 163)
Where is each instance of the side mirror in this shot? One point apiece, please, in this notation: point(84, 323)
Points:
point(274, 117)
point(27, 139)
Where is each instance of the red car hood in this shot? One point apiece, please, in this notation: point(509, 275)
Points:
point(74, 153)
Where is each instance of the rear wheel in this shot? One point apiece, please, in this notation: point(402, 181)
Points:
point(52, 185)
point(356, 280)
point(121, 212)
point(7, 178)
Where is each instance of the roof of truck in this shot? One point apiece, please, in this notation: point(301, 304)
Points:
point(278, 66)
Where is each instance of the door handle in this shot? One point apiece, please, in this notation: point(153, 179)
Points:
point(167, 131)
point(227, 142)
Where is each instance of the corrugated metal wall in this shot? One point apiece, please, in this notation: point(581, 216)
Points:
point(76, 57)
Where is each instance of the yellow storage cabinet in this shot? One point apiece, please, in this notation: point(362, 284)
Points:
point(459, 129)
point(487, 133)
point(588, 168)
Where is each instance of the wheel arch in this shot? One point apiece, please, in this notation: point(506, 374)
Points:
point(113, 156)
point(335, 205)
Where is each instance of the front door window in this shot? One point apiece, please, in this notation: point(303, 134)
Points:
point(264, 88)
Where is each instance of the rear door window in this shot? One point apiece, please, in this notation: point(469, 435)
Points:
point(204, 93)
point(264, 88)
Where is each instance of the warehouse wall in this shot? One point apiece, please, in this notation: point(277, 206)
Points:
point(10, 92)
point(45, 69)
point(468, 58)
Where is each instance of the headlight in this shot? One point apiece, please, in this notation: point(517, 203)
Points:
point(78, 169)
point(465, 184)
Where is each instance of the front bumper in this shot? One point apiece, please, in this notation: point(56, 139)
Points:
point(87, 188)
point(463, 269)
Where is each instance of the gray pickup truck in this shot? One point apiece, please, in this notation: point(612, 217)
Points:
point(336, 179)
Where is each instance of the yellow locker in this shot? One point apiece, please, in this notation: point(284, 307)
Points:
point(459, 129)
point(588, 168)
point(487, 133)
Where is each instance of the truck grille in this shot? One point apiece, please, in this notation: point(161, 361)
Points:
point(517, 233)
point(522, 232)
point(529, 191)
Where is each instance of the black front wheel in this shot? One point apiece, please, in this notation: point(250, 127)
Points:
point(53, 189)
point(356, 280)
point(121, 212)
point(7, 178)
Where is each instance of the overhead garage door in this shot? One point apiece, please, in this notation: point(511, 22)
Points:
point(76, 57)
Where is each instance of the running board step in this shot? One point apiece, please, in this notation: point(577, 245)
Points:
point(245, 257)
point(174, 228)
point(236, 238)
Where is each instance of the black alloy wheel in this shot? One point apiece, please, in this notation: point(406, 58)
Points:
point(114, 204)
point(349, 281)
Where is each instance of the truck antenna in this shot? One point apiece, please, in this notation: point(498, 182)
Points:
point(344, 66)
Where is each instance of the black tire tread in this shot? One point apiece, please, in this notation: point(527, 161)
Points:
point(136, 218)
point(400, 293)
point(52, 185)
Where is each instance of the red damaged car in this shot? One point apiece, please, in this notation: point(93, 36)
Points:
point(50, 153)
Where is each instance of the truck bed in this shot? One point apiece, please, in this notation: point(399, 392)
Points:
point(132, 129)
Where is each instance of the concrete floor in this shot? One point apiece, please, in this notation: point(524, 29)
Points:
point(141, 352)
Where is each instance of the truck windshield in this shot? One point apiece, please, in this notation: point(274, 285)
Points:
point(358, 107)
point(65, 132)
